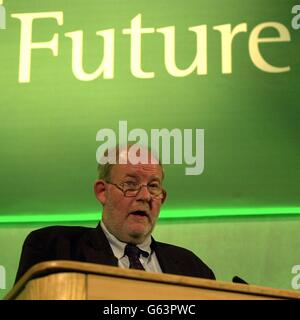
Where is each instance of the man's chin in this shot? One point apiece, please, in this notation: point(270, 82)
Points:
point(138, 235)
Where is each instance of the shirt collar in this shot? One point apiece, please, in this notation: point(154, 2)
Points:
point(118, 247)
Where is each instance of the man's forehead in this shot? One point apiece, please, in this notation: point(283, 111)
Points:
point(137, 170)
point(136, 155)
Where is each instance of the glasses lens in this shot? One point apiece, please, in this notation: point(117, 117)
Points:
point(154, 191)
point(131, 193)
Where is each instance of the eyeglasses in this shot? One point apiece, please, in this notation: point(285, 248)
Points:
point(131, 189)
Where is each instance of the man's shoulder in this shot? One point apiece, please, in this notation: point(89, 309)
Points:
point(174, 249)
point(54, 232)
point(54, 243)
point(184, 261)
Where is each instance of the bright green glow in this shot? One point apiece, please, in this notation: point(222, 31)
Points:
point(165, 214)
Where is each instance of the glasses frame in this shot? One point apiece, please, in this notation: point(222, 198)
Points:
point(119, 186)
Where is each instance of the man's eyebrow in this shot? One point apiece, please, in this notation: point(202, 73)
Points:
point(134, 176)
point(155, 178)
point(128, 175)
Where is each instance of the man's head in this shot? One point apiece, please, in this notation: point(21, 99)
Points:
point(131, 195)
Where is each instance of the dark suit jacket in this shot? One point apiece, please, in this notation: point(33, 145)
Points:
point(91, 245)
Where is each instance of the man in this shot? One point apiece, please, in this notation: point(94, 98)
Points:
point(131, 195)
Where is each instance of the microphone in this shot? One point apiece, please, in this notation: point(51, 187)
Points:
point(237, 279)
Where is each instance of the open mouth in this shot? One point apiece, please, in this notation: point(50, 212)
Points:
point(139, 213)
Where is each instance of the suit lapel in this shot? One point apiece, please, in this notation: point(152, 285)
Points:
point(95, 248)
point(168, 262)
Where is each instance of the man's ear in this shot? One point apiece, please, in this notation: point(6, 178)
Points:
point(99, 189)
point(164, 196)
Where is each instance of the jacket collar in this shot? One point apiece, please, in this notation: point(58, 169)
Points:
point(97, 248)
point(169, 263)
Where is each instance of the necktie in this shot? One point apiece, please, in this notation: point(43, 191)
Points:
point(133, 253)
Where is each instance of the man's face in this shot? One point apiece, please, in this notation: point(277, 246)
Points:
point(131, 219)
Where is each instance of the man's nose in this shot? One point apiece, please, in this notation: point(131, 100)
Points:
point(144, 194)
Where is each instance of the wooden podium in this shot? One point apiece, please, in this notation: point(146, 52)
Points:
point(85, 281)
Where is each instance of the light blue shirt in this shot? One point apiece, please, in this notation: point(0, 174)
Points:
point(149, 263)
